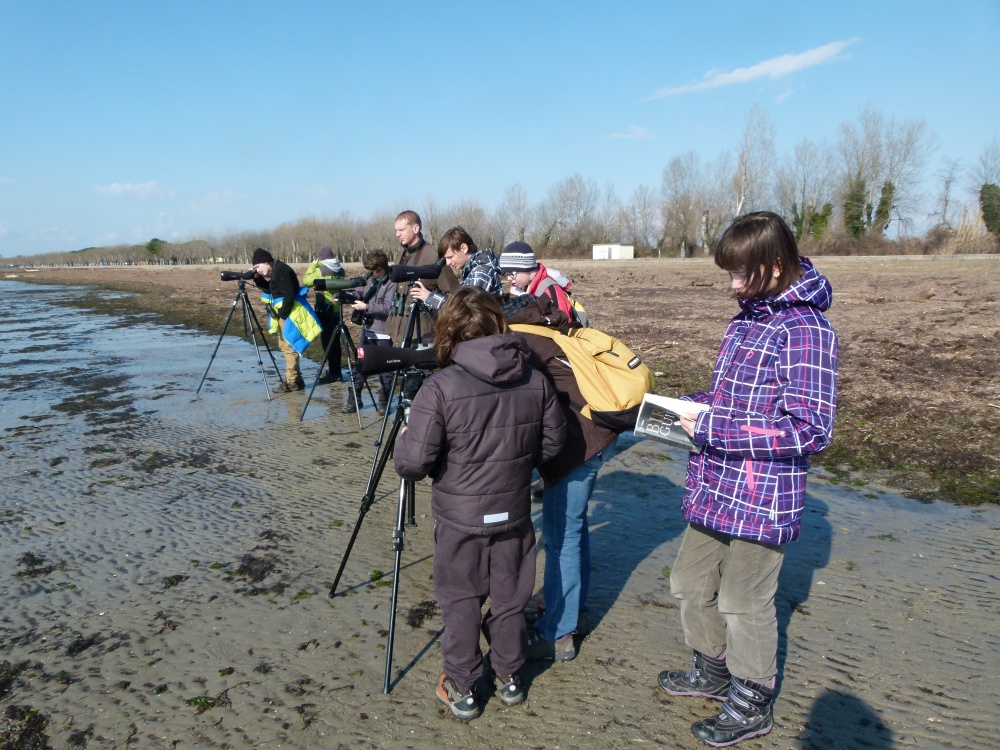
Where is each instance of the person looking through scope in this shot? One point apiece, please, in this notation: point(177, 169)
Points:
point(478, 426)
point(478, 268)
point(371, 310)
point(414, 250)
point(327, 306)
point(279, 281)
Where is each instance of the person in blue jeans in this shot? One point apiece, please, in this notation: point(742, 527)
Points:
point(569, 483)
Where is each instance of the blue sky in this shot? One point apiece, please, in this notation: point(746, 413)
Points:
point(123, 121)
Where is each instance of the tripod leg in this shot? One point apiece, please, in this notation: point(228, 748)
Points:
point(249, 322)
point(217, 343)
point(319, 373)
point(255, 322)
point(352, 366)
point(378, 466)
point(406, 491)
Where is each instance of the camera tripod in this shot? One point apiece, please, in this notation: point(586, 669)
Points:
point(340, 333)
point(251, 327)
point(406, 512)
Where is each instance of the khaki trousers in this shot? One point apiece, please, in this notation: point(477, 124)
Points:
point(726, 588)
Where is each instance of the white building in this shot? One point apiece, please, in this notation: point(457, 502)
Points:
point(613, 252)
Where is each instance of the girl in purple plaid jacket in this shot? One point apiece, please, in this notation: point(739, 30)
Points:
point(772, 403)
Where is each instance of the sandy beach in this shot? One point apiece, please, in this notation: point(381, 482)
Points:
point(168, 558)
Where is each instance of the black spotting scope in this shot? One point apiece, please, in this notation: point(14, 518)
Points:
point(374, 360)
point(405, 274)
point(234, 275)
point(334, 284)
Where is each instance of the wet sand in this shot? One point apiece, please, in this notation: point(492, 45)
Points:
point(169, 558)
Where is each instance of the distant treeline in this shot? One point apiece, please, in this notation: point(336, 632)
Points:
point(849, 198)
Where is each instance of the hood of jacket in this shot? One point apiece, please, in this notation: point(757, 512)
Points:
point(811, 288)
point(499, 359)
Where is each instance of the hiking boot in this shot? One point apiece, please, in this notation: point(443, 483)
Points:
point(463, 703)
point(284, 387)
point(745, 714)
point(299, 383)
point(539, 649)
point(351, 406)
point(509, 689)
point(708, 678)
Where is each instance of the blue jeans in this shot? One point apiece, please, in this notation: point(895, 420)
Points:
point(566, 541)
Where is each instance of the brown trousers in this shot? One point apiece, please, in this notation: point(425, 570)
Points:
point(468, 570)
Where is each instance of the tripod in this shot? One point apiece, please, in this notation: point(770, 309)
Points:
point(251, 326)
point(340, 333)
point(405, 513)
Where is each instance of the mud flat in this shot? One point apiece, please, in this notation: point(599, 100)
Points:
point(168, 558)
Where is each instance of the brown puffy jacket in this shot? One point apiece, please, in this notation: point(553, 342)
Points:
point(478, 427)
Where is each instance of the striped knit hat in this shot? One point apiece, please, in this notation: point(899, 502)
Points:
point(518, 256)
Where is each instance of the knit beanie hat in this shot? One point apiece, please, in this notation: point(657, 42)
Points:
point(518, 256)
point(324, 253)
point(260, 255)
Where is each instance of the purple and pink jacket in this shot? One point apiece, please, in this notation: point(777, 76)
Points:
point(772, 403)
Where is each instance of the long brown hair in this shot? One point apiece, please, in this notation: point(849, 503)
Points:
point(753, 245)
point(469, 313)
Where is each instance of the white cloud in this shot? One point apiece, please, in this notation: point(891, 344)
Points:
point(7, 180)
point(634, 133)
point(134, 189)
point(775, 68)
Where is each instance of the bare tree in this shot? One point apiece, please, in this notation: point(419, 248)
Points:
point(803, 185)
point(681, 205)
point(640, 216)
point(754, 161)
point(947, 175)
point(512, 219)
point(987, 169)
point(565, 218)
point(884, 161)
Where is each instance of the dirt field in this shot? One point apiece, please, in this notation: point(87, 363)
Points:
point(919, 407)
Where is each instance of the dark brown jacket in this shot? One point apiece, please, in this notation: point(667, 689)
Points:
point(584, 439)
point(477, 428)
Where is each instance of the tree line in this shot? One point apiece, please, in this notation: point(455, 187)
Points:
point(839, 199)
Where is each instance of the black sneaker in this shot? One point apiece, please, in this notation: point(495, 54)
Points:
point(509, 689)
point(745, 714)
point(463, 704)
point(709, 678)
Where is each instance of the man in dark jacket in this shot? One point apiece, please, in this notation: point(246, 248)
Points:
point(279, 280)
point(569, 482)
point(414, 250)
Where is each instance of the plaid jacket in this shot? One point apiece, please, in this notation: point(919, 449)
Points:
point(482, 270)
point(772, 403)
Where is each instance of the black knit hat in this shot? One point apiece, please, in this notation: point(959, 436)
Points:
point(260, 255)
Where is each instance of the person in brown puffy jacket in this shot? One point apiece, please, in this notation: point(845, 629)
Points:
point(478, 427)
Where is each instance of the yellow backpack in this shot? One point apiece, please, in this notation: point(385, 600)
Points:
point(610, 377)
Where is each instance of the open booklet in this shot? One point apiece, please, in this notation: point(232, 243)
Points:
point(659, 419)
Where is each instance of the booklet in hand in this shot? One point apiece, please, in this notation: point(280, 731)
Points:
point(660, 419)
